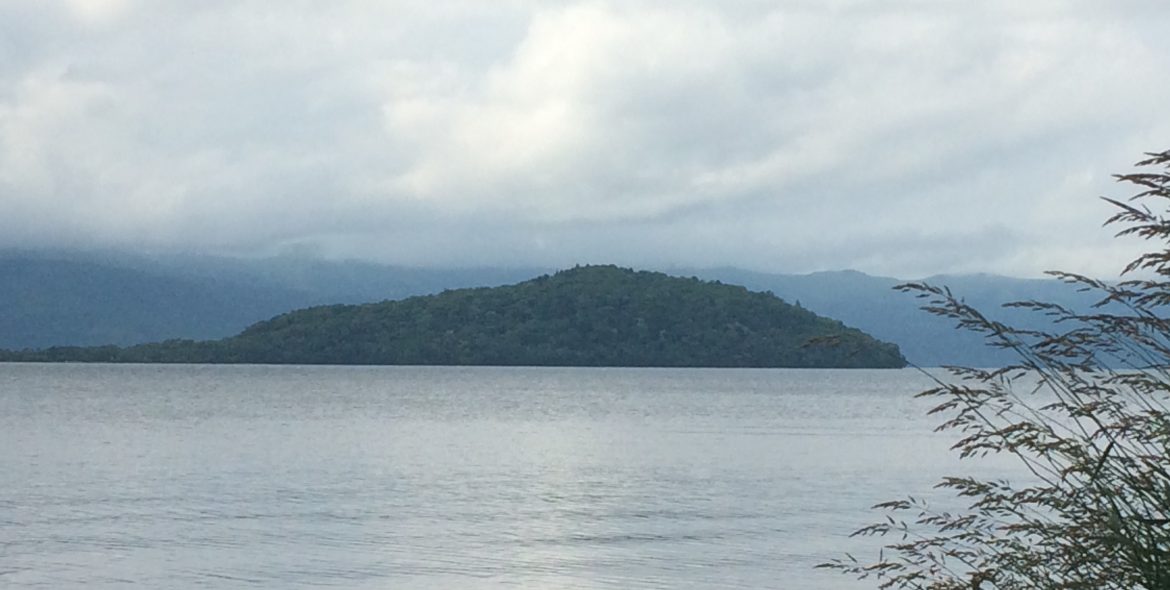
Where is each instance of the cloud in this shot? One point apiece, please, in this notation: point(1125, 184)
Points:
point(98, 12)
point(901, 137)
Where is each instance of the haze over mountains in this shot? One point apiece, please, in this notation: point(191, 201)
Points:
point(62, 298)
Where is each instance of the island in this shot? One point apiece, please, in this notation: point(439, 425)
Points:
point(585, 316)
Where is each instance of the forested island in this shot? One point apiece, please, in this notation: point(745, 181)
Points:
point(585, 316)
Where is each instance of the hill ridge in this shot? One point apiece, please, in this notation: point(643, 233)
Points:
point(592, 315)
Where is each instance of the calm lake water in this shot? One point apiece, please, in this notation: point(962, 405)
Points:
point(446, 478)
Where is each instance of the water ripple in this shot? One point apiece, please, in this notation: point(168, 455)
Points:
point(424, 479)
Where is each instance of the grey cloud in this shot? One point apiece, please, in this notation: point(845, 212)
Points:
point(905, 138)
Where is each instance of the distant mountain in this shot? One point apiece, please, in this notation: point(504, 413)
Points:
point(85, 299)
point(66, 298)
point(332, 281)
point(47, 302)
point(587, 316)
point(871, 304)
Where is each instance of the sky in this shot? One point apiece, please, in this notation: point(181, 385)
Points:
point(896, 137)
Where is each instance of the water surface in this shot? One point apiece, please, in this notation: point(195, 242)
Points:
point(435, 478)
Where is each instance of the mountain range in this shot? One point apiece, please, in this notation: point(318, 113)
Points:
point(595, 316)
point(67, 298)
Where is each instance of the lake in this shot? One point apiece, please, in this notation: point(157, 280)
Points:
point(433, 478)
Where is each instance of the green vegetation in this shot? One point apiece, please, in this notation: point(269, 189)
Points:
point(586, 316)
point(93, 299)
point(1086, 412)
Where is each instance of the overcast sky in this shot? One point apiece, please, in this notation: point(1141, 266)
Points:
point(895, 137)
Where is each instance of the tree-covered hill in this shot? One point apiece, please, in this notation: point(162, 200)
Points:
point(586, 316)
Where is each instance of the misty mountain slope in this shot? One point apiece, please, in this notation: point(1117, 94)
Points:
point(332, 281)
point(47, 302)
point(84, 299)
point(871, 304)
point(586, 316)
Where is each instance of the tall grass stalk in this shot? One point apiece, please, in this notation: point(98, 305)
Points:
point(1084, 409)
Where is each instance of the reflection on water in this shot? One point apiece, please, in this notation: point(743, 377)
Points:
point(437, 478)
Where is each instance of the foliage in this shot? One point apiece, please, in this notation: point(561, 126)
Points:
point(1084, 410)
point(586, 316)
